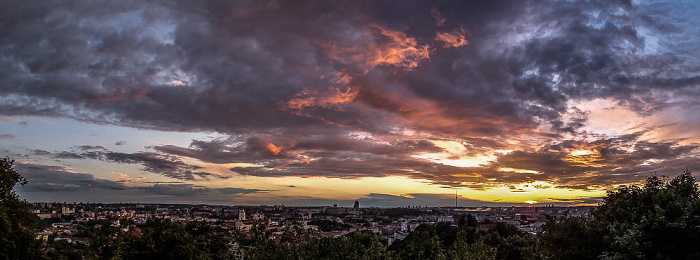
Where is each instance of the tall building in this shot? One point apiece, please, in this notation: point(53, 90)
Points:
point(241, 214)
point(357, 205)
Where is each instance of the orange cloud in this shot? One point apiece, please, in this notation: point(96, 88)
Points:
point(302, 160)
point(586, 155)
point(427, 114)
point(401, 50)
point(327, 99)
point(381, 46)
point(452, 39)
point(126, 179)
point(273, 148)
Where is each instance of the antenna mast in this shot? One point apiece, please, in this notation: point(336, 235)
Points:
point(455, 198)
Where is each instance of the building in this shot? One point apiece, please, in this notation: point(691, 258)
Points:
point(241, 214)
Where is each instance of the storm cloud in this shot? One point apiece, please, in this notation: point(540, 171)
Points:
point(46, 183)
point(351, 89)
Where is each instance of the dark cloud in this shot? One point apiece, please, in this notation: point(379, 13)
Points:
point(40, 152)
point(159, 163)
point(170, 166)
point(7, 136)
point(602, 162)
point(568, 164)
point(53, 183)
point(276, 151)
point(227, 66)
point(91, 147)
point(192, 190)
point(290, 83)
point(120, 143)
point(68, 155)
point(43, 178)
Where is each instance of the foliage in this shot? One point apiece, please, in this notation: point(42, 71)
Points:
point(160, 239)
point(400, 212)
point(17, 224)
point(63, 250)
point(569, 238)
point(467, 220)
point(465, 248)
point(356, 245)
point(511, 245)
point(659, 220)
point(329, 225)
point(422, 243)
point(446, 232)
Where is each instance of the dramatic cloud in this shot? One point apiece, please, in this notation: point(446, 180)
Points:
point(47, 181)
point(462, 94)
point(159, 163)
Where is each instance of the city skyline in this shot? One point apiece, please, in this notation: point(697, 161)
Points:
point(329, 102)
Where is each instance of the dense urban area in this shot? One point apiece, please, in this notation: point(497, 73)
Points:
point(65, 221)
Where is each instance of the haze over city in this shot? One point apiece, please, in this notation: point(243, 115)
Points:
point(329, 102)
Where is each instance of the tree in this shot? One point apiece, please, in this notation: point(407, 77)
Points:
point(356, 245)
point(422, 243)
point(569, 238)
point(464, 248)
point(17, 224)
point(510, 243)
point(63, 250)
point(660, 220)
point(467, 220)
point(160, 239)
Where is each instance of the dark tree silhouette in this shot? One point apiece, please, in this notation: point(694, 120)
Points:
point(17, 224)
point(659, 220)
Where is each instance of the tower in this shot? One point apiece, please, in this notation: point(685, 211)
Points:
point(455, 198)
point(241, 214)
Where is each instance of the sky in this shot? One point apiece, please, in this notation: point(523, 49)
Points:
point(392, 103)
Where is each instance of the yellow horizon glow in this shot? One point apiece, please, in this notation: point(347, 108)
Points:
point(350, 189)
point(505, 169)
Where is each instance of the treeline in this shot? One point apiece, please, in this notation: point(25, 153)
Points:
point(658, 220)
point(155, 239)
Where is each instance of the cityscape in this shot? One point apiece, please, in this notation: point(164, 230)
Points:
point(349, 129)
point(329, 221)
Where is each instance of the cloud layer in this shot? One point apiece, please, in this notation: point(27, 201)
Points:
point(51, 182)
point(475, 95)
